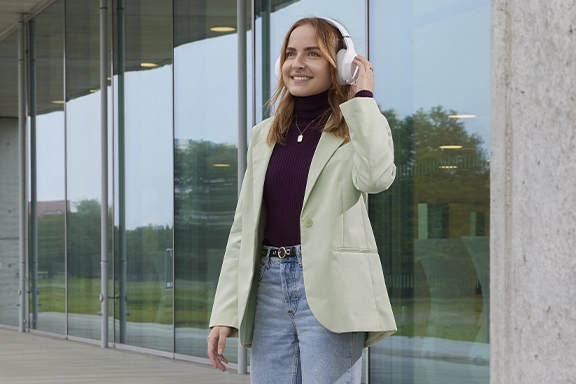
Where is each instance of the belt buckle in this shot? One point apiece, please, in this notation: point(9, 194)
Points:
point(283, 252)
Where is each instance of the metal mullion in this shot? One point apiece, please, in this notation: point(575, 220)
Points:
point(242, 129)
point(23, 195)
point(33, 172)
point(66, 277)
point(104, 172)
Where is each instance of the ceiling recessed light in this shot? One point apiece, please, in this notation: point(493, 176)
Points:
point(222, 29)
point(148, 65)
point(57, 101)
point(92, 91)
point(221, 165)
point(450, 146)
point(448, 166)
point(461, 116)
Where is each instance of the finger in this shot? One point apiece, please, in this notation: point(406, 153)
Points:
point(220, 360)
point(221, 342)
point(212, 345)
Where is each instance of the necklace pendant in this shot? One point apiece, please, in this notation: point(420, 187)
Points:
point(300, 137)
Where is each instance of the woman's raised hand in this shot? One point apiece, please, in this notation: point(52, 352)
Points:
point(216, 345)
point(365, 80)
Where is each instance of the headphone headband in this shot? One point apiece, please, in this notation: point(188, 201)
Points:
point(339, 26)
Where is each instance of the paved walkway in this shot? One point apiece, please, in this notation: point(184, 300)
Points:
point(31, 359)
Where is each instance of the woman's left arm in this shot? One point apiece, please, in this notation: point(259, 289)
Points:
point(373, 168)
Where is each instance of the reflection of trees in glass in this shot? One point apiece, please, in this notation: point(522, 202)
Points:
point(50, 245)
point(205, 189)
point(447, 175)
point(84, 240)
point(455, 180)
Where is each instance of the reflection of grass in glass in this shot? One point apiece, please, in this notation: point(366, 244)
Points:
point(194, 303)
point(148, 301)
point(51, 294)
point(460, 318)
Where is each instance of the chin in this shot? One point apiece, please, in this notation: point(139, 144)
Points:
point(299, 92)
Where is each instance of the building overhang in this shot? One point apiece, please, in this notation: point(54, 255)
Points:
point(10, 11)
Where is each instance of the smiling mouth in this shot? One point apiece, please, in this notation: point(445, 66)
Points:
point(300, 78)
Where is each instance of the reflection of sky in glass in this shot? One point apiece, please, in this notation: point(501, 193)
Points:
point(50, 156)
point(149, 147)
point(206, 90)
point(430, 53)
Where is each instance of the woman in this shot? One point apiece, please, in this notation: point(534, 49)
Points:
point(301, 282)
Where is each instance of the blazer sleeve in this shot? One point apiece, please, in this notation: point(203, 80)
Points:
point(373, 168)
point(225, 308)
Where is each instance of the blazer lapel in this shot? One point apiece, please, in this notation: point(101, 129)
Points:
point(327, 145)
point(260, 159)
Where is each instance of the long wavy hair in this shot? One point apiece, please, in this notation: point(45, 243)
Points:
point(329, 42)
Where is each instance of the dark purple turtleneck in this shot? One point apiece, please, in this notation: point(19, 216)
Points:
point(288, 168)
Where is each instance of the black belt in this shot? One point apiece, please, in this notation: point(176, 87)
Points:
point(281, 252)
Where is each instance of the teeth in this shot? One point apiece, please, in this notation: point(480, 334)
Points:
point(300, 78)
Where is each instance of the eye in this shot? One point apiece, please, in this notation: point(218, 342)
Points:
point(313, 54)
point(290, 54)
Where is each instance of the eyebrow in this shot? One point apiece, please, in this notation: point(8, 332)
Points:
point(306, 49)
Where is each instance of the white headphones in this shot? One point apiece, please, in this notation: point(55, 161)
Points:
point(347, 70)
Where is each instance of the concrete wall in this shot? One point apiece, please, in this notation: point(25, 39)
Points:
point(533, 192)
point(9, 222)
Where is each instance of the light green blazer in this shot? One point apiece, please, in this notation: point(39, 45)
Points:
point(343, 276)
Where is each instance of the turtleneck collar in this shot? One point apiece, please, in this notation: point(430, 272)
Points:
point(310, 107)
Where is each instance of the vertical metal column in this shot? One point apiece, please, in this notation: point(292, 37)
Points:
point(33, 178)
point(265, 12)
point(242, 132)
point(22, 169)
point(367, 45)
point(123, 263)
point(104, 171)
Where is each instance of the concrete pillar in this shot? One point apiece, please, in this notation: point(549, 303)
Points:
point(533, 192)
point(9, 222)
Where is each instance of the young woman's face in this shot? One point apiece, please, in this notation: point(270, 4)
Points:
point(305, 72)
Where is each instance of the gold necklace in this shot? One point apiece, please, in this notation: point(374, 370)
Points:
point(301, 135)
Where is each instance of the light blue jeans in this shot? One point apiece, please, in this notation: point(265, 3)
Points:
point(289, 345)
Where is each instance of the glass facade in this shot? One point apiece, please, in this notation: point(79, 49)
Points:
point(432, 71)
point(52, 206)
point(173, 169)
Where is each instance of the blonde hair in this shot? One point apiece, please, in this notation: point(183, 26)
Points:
point(329, 42)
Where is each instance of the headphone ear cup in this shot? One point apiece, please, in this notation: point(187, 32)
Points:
point(347, 70)
point(277, 68)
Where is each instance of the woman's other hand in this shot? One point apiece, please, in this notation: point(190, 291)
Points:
point(216, 345)
point(365, 80)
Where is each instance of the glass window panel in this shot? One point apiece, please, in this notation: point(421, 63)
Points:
point(143, 74)
point(206, 173)
point(52, 204)
point(83, 140)
point(9, 174)
point(431, 62)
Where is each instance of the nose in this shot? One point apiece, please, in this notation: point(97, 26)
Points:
point(298, 62)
